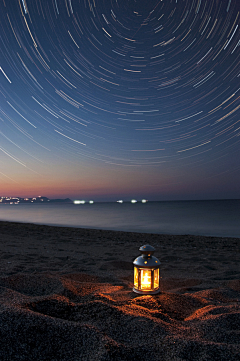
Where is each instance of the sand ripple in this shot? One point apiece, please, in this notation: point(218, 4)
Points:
point(79, 317)
point(66, 295)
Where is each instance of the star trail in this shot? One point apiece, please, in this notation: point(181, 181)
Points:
point(114, 98)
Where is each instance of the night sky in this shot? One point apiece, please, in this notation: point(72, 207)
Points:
point(120, 99)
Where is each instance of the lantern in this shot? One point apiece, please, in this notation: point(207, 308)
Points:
point(146, 272)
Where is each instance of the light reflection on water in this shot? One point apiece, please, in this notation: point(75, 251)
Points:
point(212, 218)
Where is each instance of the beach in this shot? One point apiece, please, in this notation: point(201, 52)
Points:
point(66, 294)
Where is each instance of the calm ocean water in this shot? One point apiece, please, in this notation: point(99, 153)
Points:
point(209, 218)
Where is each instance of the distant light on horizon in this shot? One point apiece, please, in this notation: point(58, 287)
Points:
point(79, 201)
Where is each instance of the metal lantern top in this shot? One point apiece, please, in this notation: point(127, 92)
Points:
point(147, 259)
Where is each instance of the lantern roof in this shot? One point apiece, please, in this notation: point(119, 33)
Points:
point(147, 259)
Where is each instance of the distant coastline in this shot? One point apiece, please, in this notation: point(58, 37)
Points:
point(39, 199)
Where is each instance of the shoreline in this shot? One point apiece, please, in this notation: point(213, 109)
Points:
point(205, 218)
point(55, 225)
point(66, 294)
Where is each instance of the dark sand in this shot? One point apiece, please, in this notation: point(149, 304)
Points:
point(66, 294)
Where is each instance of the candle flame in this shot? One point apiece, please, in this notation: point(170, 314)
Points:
point(146, 279)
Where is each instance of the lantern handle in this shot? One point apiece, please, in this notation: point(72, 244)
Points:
point(147, 250)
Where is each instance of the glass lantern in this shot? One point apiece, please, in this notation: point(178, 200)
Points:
point(146, 272)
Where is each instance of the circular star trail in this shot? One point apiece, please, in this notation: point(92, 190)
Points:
point(123, 83)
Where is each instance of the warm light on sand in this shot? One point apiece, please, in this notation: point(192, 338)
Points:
point(77, 304)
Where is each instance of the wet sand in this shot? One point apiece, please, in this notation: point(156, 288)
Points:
point(66, 294)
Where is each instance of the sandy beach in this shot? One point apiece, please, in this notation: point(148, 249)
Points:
point(66, 294)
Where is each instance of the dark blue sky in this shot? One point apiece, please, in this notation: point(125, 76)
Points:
point(118, 99)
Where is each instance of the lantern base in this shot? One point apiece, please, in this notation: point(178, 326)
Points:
point(154, 292)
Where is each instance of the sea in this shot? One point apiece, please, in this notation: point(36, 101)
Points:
point(219, 218)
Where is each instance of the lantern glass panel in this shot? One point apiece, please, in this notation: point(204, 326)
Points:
point(156, 278)
point(135, 277)
point(146, 279)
